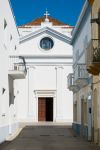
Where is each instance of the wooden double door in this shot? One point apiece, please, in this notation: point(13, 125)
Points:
point(45, 109)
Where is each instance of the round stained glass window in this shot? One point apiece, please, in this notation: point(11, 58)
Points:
point(46, 43)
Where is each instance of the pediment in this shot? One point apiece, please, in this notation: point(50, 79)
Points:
point(48, 31)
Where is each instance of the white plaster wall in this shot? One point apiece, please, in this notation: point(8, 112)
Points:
point(82, 40)
point(12, 106)
point(43, 78)
point(66, 30)
point(32, 47)
point(84, 92)
point(67, 96)
point(6, 47)
point(21, 97)
point(11, 27)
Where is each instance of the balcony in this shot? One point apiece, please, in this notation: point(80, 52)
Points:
point(70, 82)
point(81, 75)
point(93, 57)
point(17, 67)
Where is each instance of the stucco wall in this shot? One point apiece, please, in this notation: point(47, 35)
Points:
point(47, 73)
point(6, 46)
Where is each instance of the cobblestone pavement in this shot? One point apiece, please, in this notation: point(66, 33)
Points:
point(48, 138)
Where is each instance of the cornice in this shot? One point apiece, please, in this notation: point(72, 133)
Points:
point(84, 13)
point(49, 31)
point(48, 56)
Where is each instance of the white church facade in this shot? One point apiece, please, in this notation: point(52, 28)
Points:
point(43, 94)
point(35, 60)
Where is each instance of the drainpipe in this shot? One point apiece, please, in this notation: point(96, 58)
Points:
point(23, 62)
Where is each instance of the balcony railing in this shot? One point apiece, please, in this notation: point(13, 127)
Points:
point(70, 82)
point(81, 75)
point(93, 57)
point(17, 67)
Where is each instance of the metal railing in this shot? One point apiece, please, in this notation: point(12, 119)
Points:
point(93, 52)
point(17, 63)
point(80, 72)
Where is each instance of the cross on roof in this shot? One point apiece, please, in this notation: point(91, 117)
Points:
point(46, 14)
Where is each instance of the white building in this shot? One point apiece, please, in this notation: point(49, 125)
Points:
point(80, 81)
point(9, 41)
point(43, 95)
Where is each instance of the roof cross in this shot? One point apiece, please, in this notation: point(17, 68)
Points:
point(46, 14)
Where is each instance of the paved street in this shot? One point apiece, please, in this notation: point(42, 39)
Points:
point(48, 138)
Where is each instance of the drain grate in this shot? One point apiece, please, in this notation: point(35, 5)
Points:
point(44, 135)
point(50, 135)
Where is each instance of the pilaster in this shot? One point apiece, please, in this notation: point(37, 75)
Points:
point(59, 73)
point(31, 97)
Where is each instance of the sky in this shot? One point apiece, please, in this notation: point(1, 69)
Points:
point(66, 11)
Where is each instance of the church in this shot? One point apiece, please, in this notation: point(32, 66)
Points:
point(35, 60)
point(43, 95)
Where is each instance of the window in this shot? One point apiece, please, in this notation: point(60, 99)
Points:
point(79, 71)
point(5, 24)
point(46, 43)
point(77, 55)
point(10, 37)
point(75, 111)
point(85, 113)
point(15, 47)
point(85, 42)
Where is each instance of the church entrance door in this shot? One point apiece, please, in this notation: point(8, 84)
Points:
point(45, 109)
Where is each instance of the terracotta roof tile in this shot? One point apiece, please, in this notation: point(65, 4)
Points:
point(38, 21)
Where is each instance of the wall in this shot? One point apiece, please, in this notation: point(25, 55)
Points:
point(96, 79)
point(32, 47)
point(81, 38)
point(47, 75)
point(7, 45)
point(42, 78)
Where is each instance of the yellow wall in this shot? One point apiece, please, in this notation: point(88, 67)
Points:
point(96, 79)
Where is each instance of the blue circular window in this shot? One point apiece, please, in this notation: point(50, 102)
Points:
point(46, 43)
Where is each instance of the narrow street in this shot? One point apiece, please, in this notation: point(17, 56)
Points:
point(48, 138)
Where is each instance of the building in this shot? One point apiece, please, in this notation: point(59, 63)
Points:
point(43, 95)
point(9, 41)
point(35, 60)
point(80, 81)
point(93, 65)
